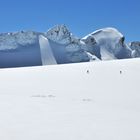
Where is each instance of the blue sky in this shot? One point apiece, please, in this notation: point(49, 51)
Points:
point(82, 17)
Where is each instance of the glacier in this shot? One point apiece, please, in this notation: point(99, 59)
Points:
point(28, 48)
point(107, 43)
point(47, 55)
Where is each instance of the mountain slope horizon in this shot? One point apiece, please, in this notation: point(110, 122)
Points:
point(22, 48)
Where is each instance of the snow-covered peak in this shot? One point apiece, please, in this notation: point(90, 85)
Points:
point(59, 34)
point(108, 32)
point(74, 48)
point(110, 42)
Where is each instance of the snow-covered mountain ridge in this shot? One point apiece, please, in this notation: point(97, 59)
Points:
point(14, 40)
point(19, 48)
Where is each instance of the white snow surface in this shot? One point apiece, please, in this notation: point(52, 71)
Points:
point(95, 100)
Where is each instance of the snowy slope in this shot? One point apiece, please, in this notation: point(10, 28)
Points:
point(96, 100)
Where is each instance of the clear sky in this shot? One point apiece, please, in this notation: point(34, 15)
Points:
point(81, 16)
